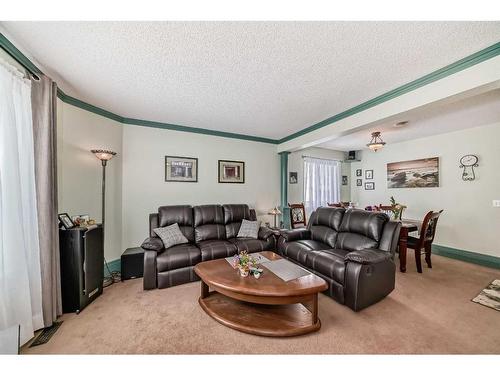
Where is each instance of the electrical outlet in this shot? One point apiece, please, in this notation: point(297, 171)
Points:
point(496, 203)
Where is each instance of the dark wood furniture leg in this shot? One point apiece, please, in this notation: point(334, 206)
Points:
point(403, 241)
point(418, 259)
point(204, 290)
point(428, 248)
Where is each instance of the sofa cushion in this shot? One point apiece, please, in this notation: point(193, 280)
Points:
point(354, 241)
point(366, 223)
point(177, 257)
point(182, 215)
point(233, 215)
point(360, 230)
point(209, 223)
point(299, 250)
point(171, 235)
point(330, 263)
point(324, 224)
point(249, 229)
point(216, 249)
point(250, 245)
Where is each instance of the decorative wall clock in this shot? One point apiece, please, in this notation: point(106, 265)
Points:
point(468, 162)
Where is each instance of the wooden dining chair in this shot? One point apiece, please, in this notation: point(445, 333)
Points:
point(297, 215)
point(427, 233)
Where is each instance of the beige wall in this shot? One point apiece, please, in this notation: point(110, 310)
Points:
point(469, 222)
point(80, 173)
point(145, 189)
point(296, 164)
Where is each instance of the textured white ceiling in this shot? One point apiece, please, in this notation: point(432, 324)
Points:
point(266, 79)
point(424, 122)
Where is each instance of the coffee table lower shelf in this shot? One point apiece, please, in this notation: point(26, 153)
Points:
point(258, 319)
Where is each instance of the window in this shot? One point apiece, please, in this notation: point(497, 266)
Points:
point(321, 183)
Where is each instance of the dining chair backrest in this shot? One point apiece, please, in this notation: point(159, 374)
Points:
point(389, 210)
point(297, 215)
point(334, 204)
point(339, 204)
point(429, 226)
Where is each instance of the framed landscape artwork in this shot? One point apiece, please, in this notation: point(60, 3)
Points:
point(413, 173)
point(181, 169)
point(231, 172)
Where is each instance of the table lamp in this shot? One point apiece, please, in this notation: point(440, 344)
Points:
point(275, 212)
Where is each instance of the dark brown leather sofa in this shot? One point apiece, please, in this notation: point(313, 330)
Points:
point(211, 231)
point(352, 250)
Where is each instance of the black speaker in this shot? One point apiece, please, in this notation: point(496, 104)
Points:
point(132, 263)
point(351, 155)
point(82, 266)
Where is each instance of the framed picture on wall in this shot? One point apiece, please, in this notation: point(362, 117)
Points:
point(344, 180)
point(231, 172)
point(369, 185)
point(181, 169)
point(420, 173)
point(359, 182)
point(293, 178)
point(369, 174)
point(359, 172)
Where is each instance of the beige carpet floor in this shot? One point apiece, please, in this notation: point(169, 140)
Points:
point(426, 313)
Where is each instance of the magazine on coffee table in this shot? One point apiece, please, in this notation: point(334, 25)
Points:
point(286, 270)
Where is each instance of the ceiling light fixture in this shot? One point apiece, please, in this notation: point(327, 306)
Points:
point(400, 124)
point(376, 142)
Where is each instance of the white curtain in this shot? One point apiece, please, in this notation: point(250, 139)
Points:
point(321, 183)
point(20, 277)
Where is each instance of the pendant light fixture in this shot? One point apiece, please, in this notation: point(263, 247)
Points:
point(376, 142)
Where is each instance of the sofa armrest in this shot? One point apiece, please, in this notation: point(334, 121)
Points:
point(153, 243)
point(296, 235)
point(368, 256)
point(149, 275)
point(265, 233)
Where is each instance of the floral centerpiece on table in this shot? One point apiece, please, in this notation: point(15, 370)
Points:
point(246, 264)
point(397, 208)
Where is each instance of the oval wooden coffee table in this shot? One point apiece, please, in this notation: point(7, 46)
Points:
point(267, 306)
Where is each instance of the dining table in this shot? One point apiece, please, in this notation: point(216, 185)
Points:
point(407, 226)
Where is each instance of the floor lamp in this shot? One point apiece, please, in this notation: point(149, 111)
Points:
point(104, 156)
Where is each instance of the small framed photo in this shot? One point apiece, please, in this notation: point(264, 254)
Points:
point(231, 172)
point(181, 169)
point(369, 185)
point(66, 221)
point(293, 178)
point(344, 180)
point(80, 220)
point(359, 172)
point(359, 182)
point(369, 174)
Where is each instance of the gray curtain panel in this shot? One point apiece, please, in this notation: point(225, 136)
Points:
point(44, 108)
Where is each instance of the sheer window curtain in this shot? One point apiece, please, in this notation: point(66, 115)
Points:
point(321, 183)
point(20, 276)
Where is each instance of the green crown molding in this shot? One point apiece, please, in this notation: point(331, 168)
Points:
point(182, 128)
point(467, 256)
point(448, 70)
point(88, 107)
point(467, 62)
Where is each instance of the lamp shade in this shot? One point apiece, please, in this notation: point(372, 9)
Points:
point(376, 142)
point(274, 211)
point(103, 154)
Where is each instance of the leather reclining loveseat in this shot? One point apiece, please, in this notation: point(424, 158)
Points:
point(212, 234)
point(352, 250)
